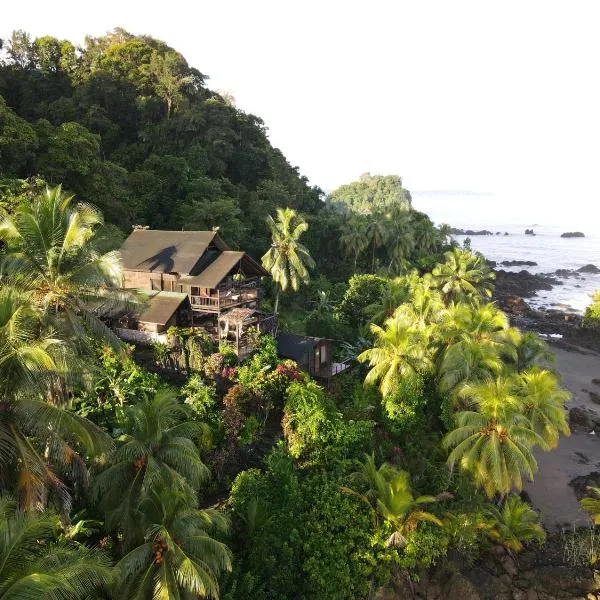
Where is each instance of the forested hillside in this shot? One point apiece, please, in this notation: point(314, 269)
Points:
point(127, 124)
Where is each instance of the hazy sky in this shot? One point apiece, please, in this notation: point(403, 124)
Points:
point(500, 97)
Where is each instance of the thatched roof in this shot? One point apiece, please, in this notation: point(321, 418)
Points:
point(167, 251)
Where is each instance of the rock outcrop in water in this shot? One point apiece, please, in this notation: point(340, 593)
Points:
point(589, 268)
point(455, 231)
point(572, 234)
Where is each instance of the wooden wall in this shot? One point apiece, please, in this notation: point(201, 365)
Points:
point(145, 280)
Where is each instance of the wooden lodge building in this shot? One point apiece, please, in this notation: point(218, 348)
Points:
point(192, 278)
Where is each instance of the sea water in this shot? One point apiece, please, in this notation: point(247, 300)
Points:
point(551, 252)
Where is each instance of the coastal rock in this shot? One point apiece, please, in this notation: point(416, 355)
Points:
point(523, 284)
point(455, 231)
point(594, 397)
point(572, 234)
point(515, 305)
point(518, 263)
point(589, 268)
point(566, 273)
point(580, 484)
point(529, 232)
point(460, 588)
point(580, 418)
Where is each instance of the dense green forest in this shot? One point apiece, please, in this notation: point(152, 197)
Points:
point(176, 472)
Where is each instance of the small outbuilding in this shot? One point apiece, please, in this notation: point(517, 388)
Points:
point(313, 354)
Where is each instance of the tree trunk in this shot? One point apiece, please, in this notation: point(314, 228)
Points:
point(373, 260)
point(169, 102)
point(276, 301)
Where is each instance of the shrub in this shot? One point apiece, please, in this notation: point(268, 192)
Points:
point(308, 417)
point(591, 318)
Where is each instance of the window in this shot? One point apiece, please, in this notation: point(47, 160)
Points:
point(323, 354)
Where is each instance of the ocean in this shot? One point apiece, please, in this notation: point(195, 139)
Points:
point(550, 252)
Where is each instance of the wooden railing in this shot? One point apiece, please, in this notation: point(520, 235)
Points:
point(229, 299)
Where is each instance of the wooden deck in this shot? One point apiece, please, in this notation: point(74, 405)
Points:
point(223, 300)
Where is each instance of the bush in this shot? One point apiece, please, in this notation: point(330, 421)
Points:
point(308, 417)
point(363, 291)
point(591, 318)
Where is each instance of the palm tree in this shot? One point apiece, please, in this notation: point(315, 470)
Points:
point(544, 403)
point(467, 362)
point(400, 350)
point(158, 446)
point(376, 233)
point(394, 293)
point(592, 504)
point(463, 275)
point(531, 351)
point(388, 493)
point(178, 557)
point(31, 358)
point(425, 307)
point(354, 237)
point(514, 523)
point(34, 565)
point(401, 509)
point(494, 442)
point(476, 341)
point(399, 239)
point(287, 259)
point(51, 251)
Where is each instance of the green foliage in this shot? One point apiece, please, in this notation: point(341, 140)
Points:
point(463, 275)
point(591, 318)
point(307, 539)
point(180, 553)
point(591, 504)
point(160, 444)
point(127, 124)
point(371, 193)
point(33, 564)
point(514, 524)
point(287, 259)
point(308, 418)
point(363, 291)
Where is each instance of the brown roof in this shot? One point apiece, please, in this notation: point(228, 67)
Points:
point(161, 307)
point(216, 271)
point(167, 251)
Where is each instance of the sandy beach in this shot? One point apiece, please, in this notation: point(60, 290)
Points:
point(576, 455)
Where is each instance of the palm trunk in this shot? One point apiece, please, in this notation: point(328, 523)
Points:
point(373, 258)
point(276, 301)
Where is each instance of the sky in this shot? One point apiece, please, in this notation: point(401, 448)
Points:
point(498, 99)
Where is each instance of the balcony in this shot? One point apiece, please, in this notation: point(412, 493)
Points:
point(222, 300)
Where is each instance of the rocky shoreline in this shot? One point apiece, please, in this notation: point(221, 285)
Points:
point(513, 289)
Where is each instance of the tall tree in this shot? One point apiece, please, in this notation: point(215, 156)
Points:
point(31, 359)
point(51, 250)
point(494, 441)
point(354, 237)
point(463, 275)
point(34, 565)
point(178, 557)
point(287, 259)
point(169, 80)
point(158, 445)
point(399, 351)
